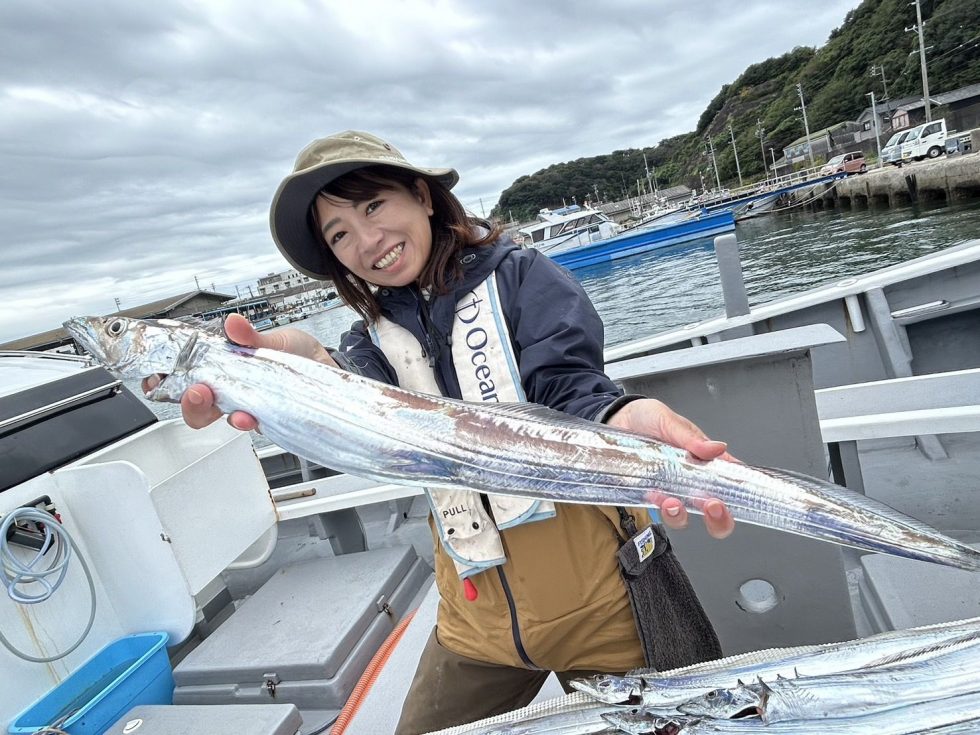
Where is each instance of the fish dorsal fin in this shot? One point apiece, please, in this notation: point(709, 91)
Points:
point(646, 671)
point(935, 649)
point(186, 354)
point(214, 327)
point(855, 499)
point(537, 414)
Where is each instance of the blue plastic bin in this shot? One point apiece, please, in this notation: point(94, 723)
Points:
point(133, 670)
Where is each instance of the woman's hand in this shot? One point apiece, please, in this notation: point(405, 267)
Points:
point(197, 403)
point(653, 418)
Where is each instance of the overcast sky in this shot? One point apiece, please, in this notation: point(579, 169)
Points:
point(140, 143)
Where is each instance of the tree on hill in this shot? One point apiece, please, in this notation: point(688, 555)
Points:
point(835, 80)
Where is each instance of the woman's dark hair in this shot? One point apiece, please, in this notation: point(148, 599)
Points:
point(452, 230)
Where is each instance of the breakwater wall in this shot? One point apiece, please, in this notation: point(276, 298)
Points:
point(950, 178)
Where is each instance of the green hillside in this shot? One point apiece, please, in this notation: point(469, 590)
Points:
point(835, 79)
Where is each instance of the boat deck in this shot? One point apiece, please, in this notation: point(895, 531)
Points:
point(891, 593)
point(943, 493)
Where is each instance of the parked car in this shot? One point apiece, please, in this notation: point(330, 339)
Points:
point(891, 152)
point(925, 141)
point(848, 163)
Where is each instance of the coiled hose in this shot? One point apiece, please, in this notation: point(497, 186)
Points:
point(15, 573)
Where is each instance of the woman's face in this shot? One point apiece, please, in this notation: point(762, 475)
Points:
point(385, 240)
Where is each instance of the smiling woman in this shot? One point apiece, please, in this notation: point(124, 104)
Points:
point(449, 306)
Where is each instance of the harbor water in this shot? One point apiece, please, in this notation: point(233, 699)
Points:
point(781, 254)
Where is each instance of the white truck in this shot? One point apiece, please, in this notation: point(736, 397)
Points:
point(925, 141)
point(891, 152)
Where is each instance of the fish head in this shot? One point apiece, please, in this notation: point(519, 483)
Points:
point(611, 689)
point(131, 347)
point(637, 721)
point(725, 704)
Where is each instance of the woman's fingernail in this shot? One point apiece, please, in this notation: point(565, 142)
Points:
point(672, 510)
point(715, 511)
point(194, 398)
point(717, 444)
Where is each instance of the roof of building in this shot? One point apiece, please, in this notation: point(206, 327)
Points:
point(675, 191)
point(944, 98)
point(158, 308)
point(887, 106)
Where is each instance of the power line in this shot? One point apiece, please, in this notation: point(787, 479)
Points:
point(956, 48)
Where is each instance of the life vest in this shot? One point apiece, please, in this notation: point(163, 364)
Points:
point(487, 370)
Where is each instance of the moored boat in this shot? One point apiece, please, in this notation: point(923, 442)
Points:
point(568, 227)
point(641, 240)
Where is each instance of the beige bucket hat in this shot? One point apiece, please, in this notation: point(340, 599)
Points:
point(322, 161)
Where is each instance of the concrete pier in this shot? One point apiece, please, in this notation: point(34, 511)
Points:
point(950, 178)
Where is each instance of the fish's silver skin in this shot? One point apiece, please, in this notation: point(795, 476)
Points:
point(951, 673)
point(382, 432)
point(921, 717)
point(741, 700)
point(932, 672)
point(674, 688)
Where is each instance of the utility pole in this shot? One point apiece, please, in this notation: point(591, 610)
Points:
point(760, 133)
point(922, 58)
point(884, 85)
point(118, 306)
point(874, 116)
point(731, 132)
point(714, 163)
point(775, 173)
point(806, 125)
point(197, 284)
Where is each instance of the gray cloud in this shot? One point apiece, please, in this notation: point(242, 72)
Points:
point(140, 143)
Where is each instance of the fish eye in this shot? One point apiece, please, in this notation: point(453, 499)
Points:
point(712, 694)
point(115, 327)
point(603, 684)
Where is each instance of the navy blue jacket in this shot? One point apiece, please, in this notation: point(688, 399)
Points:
point(557, 334)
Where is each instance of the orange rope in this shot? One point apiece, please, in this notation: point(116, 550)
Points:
point(370, 675)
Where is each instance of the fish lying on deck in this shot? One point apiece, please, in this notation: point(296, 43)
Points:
point(951, 715)
point(679, 687)
point(947, 669)
point(370, 429)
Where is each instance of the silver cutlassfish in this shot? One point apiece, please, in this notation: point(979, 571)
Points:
point(936, 672)
point(922, 717)
point(679, 686)
point(382, 432)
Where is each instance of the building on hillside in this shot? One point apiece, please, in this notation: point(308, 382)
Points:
point(886, 123)
point(960, 107)
point(193, 303)
point(823, 142)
